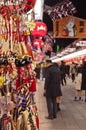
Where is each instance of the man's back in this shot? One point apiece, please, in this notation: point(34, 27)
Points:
point(52, 80)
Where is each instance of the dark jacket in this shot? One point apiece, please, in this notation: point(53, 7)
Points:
point(37, 70)
point(52, 81)
point(63, 69)
point(83, 84)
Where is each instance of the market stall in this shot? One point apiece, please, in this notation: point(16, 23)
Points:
point(18, 110)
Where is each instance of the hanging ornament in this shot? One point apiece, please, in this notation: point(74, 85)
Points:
point(38, 43)
point(29, 5)
point(5, 12)
point(0, 44)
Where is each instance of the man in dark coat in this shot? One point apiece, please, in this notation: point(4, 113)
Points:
point(63, 72)
point(52, 88)
point(83, 84)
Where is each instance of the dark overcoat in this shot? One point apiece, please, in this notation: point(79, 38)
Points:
point(83, 84)
point(52, 81)
point(37, 70)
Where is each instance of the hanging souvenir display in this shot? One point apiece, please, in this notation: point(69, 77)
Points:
point(16, 75)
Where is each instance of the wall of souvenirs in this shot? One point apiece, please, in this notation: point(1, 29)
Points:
point(18, 109)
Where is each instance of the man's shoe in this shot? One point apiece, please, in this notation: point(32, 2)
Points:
point(54, 117)
point(48, 117)
point(59, 109)
point(75, 98)
point(79, 98)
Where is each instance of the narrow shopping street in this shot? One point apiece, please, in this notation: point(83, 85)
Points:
point(72, 115)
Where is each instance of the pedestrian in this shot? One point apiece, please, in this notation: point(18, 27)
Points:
point(78, 80)
point(73, 71)
point(63, 73)
point(37, 70)
point(52, 88)
point(83, 84)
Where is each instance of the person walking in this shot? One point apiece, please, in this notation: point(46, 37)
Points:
point(52, 88)
point(83, 84)
point(63, 73)
point(73, 71)
point(78, 80)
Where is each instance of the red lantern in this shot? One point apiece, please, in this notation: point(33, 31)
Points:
point(40, 29)
point(38, 43)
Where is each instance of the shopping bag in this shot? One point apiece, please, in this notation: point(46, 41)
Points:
point(59, 99)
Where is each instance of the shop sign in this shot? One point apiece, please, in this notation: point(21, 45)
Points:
point(69, 27)
point(81, 43)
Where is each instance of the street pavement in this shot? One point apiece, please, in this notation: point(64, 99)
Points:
point(72, 115)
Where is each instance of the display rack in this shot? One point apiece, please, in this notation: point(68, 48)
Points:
point(17, 112)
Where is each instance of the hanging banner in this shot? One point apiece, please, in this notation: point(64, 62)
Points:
point(61, 9)
point(69, 27)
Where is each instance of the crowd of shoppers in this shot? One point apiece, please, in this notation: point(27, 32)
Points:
point(55, 77)
point(78, 76)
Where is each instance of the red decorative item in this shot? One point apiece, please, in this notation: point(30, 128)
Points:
point(32, 88)
point(40, 29)
point(37, 122)
point(38, 43)
point(22, 38)
point(7, 123)
point(35, 109)
point(65, 32)
point(31, 2)
point(5, 11)
point(29, 5)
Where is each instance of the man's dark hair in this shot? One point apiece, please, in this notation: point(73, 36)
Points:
point(48, 61)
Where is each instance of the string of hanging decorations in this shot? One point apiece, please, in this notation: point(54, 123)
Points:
point(61, 9)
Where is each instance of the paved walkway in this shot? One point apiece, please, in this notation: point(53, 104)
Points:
point(72, 115)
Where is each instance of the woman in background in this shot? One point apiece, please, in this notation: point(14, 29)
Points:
point(78, 80)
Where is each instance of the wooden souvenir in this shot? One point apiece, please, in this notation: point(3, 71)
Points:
point(7, 123)
point(17, 48)
point(20, 123)
point(26, 120)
